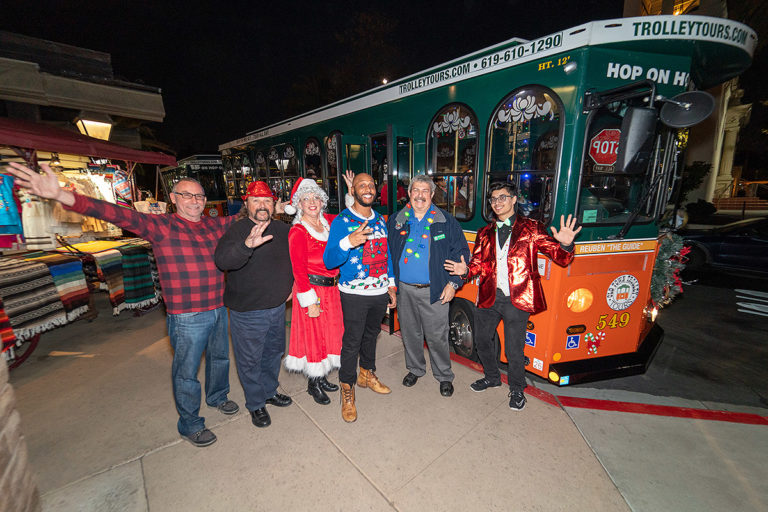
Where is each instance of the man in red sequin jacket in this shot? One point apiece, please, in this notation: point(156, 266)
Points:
point(504, 259)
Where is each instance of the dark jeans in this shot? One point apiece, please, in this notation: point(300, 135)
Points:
point(258, 338)
point(192, 334)
point(515, 323)
point(362, 324)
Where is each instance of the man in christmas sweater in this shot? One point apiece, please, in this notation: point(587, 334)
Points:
point(357, 245)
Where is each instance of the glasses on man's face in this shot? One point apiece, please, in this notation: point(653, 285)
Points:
point(188, 196)
point(499, 199)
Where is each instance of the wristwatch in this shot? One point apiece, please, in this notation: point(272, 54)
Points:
point(455, 285)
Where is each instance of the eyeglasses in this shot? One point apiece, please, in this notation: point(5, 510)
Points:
point(188, 196)
point(499, 199)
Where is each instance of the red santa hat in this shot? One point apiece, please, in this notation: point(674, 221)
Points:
point(301, 187)
point(259, 189)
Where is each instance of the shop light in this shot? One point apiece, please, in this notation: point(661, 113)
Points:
point(95, 125)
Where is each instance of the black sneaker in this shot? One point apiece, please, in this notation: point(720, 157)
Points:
point(483, 384)
point(202, 438)
point(280, 400)
point(228, 407)
point(517, 400)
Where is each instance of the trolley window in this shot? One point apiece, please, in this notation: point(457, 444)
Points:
point(331, 171)
point(452, 159)
point(313, 161)
point(283, 170)
point(605, 195)
point(524, 148)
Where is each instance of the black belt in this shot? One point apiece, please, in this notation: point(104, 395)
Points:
point(417, 285)
point(323, 280)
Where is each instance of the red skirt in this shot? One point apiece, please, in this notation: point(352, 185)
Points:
point(315, 344)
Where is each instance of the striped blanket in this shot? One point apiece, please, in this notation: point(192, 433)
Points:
point(7, 337)
point(109, 265)
point(30, 297)
point(137, 276)
point(68, 276)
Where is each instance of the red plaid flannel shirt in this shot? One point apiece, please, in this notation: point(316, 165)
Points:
point(183, 250)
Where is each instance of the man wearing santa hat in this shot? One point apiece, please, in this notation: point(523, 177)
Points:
point(254, 253)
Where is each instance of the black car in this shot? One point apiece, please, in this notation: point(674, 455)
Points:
point(741, 245)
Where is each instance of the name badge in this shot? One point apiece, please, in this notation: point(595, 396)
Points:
point(438, 237)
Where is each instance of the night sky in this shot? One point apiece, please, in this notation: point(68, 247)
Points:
point(226, 68)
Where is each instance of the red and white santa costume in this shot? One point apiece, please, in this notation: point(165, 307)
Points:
point(315, 343)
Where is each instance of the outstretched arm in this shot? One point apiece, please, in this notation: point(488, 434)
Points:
point(43, 185)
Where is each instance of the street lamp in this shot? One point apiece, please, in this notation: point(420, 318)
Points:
point(94, 124)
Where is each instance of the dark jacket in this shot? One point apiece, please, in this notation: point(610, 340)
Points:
point(447, 242)
point(259, 278)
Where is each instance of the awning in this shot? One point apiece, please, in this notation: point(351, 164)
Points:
point(25, 134)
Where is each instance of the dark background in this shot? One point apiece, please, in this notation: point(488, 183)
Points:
point(226, 68)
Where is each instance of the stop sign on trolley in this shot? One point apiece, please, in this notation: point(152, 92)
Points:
point(604, 147)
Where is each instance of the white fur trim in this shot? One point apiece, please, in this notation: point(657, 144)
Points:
point(323, 237)
point(321, 369)
point(290, 209)
point(348, 200)
point(306, 299)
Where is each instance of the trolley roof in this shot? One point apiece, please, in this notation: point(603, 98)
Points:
point(719, 49)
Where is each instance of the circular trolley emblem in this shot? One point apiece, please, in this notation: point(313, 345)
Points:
point(622, 292)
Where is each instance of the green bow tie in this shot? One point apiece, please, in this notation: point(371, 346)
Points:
point(505, 223)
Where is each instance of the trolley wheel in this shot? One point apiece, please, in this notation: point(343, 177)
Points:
point(24, 351)
point(461, 326)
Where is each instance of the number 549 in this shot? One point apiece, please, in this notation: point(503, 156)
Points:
point(617, 320)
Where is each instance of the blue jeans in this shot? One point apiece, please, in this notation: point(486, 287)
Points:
point(258, 339)
point(191, 335)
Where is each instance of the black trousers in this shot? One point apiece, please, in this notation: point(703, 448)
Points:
point(362, 324)
point(515, 323)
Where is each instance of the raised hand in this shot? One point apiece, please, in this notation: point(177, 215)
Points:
point(349, 176)
point(43, 185)
point(280, 206)
point(456, 268)
point(255, 238)
point(566, 234)
point(360, 235)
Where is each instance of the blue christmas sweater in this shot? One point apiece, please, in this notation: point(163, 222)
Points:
point(365, 269)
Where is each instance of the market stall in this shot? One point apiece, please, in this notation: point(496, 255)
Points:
point(53, 259)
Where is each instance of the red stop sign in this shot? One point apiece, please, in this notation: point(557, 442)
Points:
point(604, 147)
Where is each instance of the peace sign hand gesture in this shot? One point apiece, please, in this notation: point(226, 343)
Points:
point(566, 234)
point(360, 235)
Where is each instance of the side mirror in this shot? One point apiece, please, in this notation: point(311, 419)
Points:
point(636, 140)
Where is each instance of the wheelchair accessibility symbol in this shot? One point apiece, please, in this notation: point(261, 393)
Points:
point(530, 339)
point(572, 342)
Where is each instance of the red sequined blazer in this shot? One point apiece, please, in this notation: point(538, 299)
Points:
point(527, 239)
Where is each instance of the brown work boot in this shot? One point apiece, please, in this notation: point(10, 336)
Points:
point(368, 379)
point(348, 409)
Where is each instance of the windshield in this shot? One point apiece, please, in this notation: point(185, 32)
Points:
point(606, 196)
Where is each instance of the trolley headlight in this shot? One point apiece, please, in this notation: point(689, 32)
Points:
point(580, 300)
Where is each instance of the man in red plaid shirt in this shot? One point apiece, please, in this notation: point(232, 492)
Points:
point(193, 287)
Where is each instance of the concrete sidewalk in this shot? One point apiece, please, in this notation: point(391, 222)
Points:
point(98, 417)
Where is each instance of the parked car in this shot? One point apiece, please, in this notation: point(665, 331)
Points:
point(741, 245)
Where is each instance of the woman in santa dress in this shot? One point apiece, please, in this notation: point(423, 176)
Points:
point(316, 321)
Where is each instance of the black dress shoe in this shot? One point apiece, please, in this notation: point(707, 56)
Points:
point(260, 418)
point(315, 390)
point(280, 400)
point(410, 379)
point(327, 386)
point(446, 388)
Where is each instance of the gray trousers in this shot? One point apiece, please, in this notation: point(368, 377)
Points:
point(419, 320)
